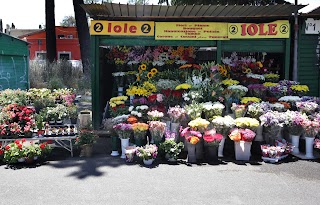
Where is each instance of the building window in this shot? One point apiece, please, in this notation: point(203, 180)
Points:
point(60, 36)
point(70, 36)
point(41, 55)
point(64, 55)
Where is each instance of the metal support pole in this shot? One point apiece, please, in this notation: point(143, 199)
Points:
point(295, 45)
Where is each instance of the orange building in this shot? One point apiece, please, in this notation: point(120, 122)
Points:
point(68, 46)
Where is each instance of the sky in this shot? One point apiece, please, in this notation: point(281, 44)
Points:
point(29, 14)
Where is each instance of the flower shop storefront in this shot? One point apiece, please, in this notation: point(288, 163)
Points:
point(166, 37)
point(200, 80)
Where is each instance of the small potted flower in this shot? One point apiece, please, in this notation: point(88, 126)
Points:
point(171, 149)
point(147, 153)
point(85, 140)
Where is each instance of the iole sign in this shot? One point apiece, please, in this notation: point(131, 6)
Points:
point(127, 28)
point(277, 29)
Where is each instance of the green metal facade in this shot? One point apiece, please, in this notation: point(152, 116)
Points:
point(308, 71)
point(14, 63)
point(253, 45)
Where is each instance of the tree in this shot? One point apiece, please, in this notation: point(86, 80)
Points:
point(68, 21)
point(83, 34)
point(138, 2)
point(224, 2)
point(50, 31)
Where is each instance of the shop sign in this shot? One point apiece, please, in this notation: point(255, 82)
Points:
point(124, 28)
point(276, 29)
point(312, 26)
point(191, 31)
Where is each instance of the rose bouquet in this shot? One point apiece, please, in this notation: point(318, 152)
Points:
point(212, 138)
point(176, 113)
point(149, 151)
point(157, 130)
point(212, 109)
point(223, 124)
point(294, 121)
point(192, 136)
point(238, 110)
point(242, 135)
point(124, 130)
point(140, 130)
point(199, 124)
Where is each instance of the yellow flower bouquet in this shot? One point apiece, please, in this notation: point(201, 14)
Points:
point(246, 123)
point(199, 124)
point(140, 129)
point(246, 100)
point(229, 82)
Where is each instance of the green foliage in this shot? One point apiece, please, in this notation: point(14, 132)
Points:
point(9, 96)
point(55, 83)
point(86, 137)
point(68, 21)
point(171, 148)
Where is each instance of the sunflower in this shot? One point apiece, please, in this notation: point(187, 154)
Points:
point(154, 70)
point(150, 75)
point(143, 67)
point(247, 70)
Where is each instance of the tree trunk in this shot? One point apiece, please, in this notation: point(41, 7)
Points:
point(50, 32)
point(83, 35)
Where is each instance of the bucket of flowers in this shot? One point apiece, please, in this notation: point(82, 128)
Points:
point(194, 147)
point(139, 132)
point(242, 143)
point(211, 144)
point(147, 153)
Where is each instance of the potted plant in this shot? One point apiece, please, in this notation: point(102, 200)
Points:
point(61, 112)
point(15, 152)
point(40, 124)
point(85, 140)
point(73, 114)
point(172, 149)
point(147, 153)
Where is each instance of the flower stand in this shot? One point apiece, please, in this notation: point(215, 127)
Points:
point(309, 147)
point(295, 142)
point(148, 162)
point(221, 146)
point(242, 150)
point(191, 153)
point(114, 142)
point(212, 153)
point(124, 144)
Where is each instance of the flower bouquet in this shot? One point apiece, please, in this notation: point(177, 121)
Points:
point(275, 153)
point(124, 130)
point(212, 109)
point(223, 124)
point(139, 132)
point(299, 90)
point(194, 110)
point(199, 124)
point(238, 110)
point(246, 135)
point(272, 77)
point(257, 90)
point(238, 91)
point(246, 123)
point(255, 110)
point(317, 143)
point(294, 121)
point(172, 149)
point(211, 138)
point(242, 142)
point(307, 107)
point(272, 121)
point(249, 100)
point(147, 153)
point(176, 114)
point(155, 115)
point(311, 127)
point(157, 130)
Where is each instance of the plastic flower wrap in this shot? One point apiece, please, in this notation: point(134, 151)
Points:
point(272, 118)
point(247, 100)
point(193, 110)
point(191, 135)
point(307, 107)
point(146, 152)
point(238, 110)
point(199, 124)
point(311, 127)
point(223, 124)
point(155, 115)
point(176, 113)
point(124, 130)
point(280, 149)
point(290, 98)
point(212, 109)
point(246, 122)
point(242, 135)
point(255, 110)
point(157, 129)
point(294, 121)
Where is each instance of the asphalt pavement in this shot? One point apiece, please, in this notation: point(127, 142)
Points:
point(103, 179)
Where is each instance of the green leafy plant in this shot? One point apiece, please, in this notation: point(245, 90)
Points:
point(171, 148)
point(86, 137)
point(72, 111)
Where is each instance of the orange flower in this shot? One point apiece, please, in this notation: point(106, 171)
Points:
point(235, 135)
point(286, 105)
point(132, 119)
point(194, 140)
point(185, 66)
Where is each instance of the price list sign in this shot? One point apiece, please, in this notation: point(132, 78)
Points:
point(191, 31)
